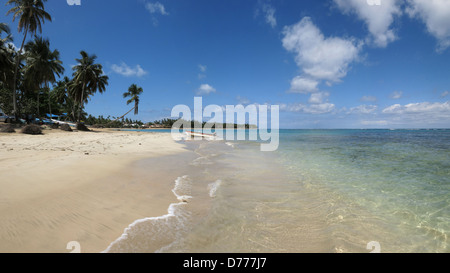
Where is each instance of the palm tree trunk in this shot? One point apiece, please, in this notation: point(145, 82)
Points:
point(74, 111)
point(49, 101)
point(124, 115)
point(16, 70)
point(39, 114)
point(81, 102)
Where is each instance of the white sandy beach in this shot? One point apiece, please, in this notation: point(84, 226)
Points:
point(79, 186)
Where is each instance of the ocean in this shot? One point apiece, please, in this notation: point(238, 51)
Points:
point(322, 191)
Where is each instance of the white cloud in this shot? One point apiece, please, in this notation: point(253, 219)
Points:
point(436, 16)
point(13, 46)
point(322, 108)
point(419, 115)
point(396, 95)
point(320, 58)
point(242, 100)
point(202, 68)
point(445, 94)
point(375, 122)
point(268, 12)
point(378, 18)
point(441, 109)
point(412, 115)
point(393, 109)
point(368, 99)
point(270, 15)
point(303, 85)
point(205, 89)
point(156, 7)
point(124, 70)
point(363, 109)
point(318, 98)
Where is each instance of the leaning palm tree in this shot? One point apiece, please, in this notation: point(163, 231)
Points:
point(31, 15)
point(88, 78)
point(133, 93)
point(42, 65)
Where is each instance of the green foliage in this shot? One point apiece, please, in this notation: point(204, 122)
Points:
point(168, 123)
point(88, 78)
point(133, 93)
point(25, 77)
point(110, 122)
point(31, 14)
point(42, 64)
point(6, 100)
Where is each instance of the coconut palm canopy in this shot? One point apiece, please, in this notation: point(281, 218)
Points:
point(88, 78)
point(5, 55)
point(60, 90)
point(43, 64)
point(133, 93)
point(4, 29)
point(31, 14)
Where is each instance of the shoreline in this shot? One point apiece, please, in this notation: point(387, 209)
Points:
point(81, 186)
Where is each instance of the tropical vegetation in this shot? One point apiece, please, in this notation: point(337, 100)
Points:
point(32, 80)
point(88, 78)
point(32, 83)
point(32, 15)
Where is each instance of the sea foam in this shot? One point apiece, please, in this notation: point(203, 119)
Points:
point(213, 188)
point(155, 233)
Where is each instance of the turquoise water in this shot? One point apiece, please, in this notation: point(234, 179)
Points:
point(401, 178)
point(321, 191)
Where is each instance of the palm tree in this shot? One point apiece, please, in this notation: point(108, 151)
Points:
point(6, 67)
point(4, 60)
point(4, 28)
point(42, 64)
point(62, 97)
point(88, 78)
point(60, 90)
point(6, 55)
point(31, 15)
point(133, 92)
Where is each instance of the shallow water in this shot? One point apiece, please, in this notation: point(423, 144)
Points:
point(387, 186)
point(322, 191)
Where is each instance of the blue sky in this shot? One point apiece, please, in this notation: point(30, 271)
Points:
point(327, 64)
